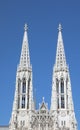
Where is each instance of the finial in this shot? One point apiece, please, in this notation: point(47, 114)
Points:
point(60, 28)
point(25, 27)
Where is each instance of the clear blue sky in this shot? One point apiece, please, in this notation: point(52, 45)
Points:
point(42, 17)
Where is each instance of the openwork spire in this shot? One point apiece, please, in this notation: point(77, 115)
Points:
point(60, 54)
point(25, 58)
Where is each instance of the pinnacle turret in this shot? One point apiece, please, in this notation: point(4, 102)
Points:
point(60, 54)
point(25, 58)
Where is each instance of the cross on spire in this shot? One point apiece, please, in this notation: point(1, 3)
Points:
point(25, 27)
point(60, 28)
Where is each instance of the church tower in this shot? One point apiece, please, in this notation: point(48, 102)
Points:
point(61, 100)
point(23, 99)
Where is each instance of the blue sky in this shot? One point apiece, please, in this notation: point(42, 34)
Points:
point(42, 17)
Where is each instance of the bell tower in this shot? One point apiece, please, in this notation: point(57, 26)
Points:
point(61, 100)
point(23, 99)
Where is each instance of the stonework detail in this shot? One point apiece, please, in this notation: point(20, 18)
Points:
point(61, 115)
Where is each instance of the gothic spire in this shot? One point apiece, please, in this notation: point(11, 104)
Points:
point(61, 84)
point(25, 58)
point(60, 54)
point(23, 98)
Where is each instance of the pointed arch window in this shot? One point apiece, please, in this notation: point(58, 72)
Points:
point(24, 86)
point(23, 93)
point(62, 86)
point(62, 93)
point(62, 101)
point(23, 101)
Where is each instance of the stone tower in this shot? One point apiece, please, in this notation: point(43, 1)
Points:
point(23, 99)
point(61, 100)
point(61, 115)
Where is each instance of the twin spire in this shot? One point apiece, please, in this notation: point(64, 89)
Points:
point(60, 54)
point(25, 58)
point(61, 115)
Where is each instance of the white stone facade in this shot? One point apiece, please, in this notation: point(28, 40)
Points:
point(61, 115)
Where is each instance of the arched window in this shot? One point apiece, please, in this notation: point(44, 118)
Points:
point(62, 86)
point(62, 94)
point(23, 94)
point(24, 86)
point(23, 101)
point(62, 101)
